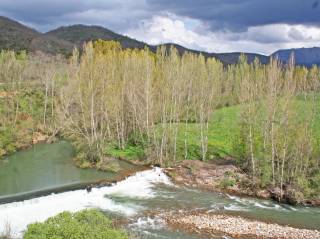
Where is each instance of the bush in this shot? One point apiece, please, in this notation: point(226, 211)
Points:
point(7, 141)
point(315, 183)
point(227, 182)
point(87, 224)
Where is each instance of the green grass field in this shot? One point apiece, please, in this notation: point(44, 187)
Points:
point(224, 132)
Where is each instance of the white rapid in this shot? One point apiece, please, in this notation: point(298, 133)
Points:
point(19, 214)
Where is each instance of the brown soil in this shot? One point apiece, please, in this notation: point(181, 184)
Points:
point(209, 176)
point(228, 178)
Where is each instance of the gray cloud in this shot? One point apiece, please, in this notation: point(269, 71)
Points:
point(46, 14)
point(315, 4)
point(218, 14)
point(259, 23)
point(239, 15)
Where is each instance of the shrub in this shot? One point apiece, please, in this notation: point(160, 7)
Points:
point(227, 182)
point(87, 224)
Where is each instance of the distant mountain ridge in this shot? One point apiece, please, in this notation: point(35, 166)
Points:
point(302, 56)
point(16, 36)
point(79, 34)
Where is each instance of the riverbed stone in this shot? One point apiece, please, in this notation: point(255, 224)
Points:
point(237, 226)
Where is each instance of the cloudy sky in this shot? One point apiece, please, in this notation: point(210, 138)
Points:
point(261, 26)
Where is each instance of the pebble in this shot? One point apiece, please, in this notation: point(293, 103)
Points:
point(238, 226)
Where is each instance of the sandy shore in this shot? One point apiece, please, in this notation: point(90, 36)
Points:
point(239, 227)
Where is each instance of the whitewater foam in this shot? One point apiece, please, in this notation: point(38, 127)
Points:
point(233, 207)
point(263, 204)
point(20, 214)
point(155, 223)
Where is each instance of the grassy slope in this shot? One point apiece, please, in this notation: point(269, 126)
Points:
point(224, 130)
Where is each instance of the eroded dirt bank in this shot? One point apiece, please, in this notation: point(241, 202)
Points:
point(228, 178)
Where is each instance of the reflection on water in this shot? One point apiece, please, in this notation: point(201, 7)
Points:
point(45, 166)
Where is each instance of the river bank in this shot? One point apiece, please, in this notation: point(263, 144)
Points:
point(226, 177)
point(22, 213)
point(44, 169)
point(132, 193)
point(237, 227)
point(142, 202)
point(33, 138)
point(223, 177)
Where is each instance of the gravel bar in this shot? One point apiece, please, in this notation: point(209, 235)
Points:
point(238, 227)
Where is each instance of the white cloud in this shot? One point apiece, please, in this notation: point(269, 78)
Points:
point(195, 34)
point(169, 28)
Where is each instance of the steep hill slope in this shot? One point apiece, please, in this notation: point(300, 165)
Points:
point(15, 36)
point(78, 34)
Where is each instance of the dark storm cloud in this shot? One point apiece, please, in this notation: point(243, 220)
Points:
point(45, 14)
point(315, 4)
point(235, 15)
point(39, 12)
point(212, 16)
point(239, 15)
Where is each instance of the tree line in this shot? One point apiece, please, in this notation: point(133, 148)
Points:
point(108, 97)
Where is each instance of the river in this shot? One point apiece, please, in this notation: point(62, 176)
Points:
point(131, 199)
point(43, 169)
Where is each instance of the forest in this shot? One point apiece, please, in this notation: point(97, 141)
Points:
point(163, 107)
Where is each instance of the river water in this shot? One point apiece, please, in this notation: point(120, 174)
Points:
point(133, 199)
point(45, 168)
